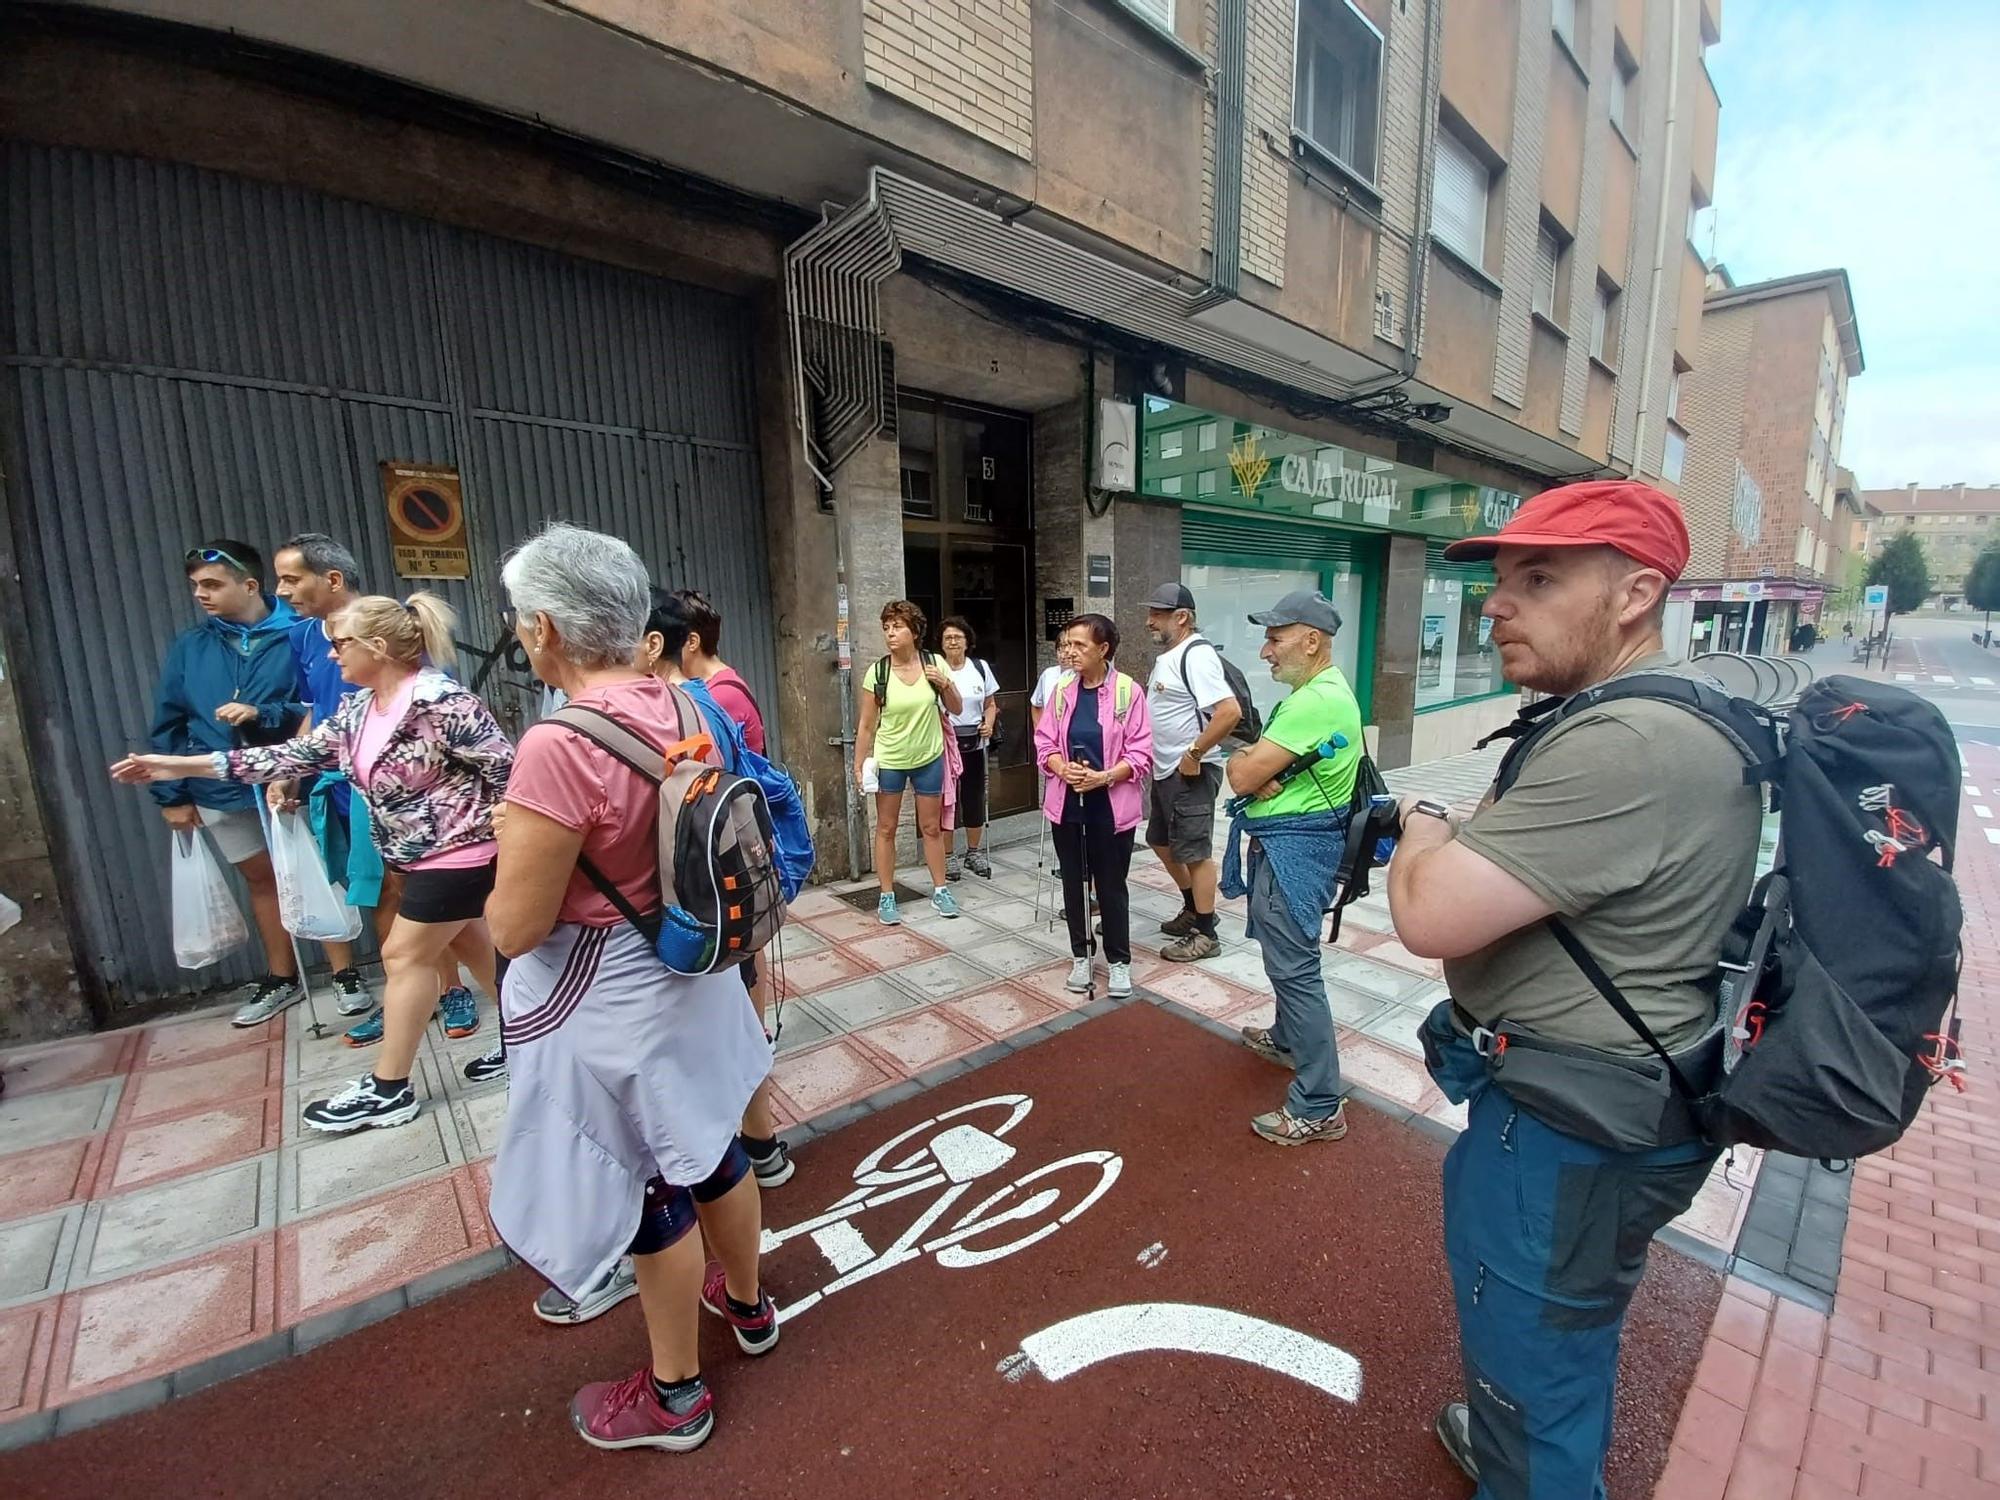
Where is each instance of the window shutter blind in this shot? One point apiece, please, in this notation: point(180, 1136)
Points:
point(1458, 200)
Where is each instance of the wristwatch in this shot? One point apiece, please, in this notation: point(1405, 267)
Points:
point(1431, 809)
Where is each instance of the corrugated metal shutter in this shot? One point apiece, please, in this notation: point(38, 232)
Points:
point(198, 354)
point(1287, 540)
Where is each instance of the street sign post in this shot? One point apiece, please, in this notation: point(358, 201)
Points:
point(1874, 599)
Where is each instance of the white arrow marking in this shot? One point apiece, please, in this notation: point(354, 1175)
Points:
point(1183, 1327)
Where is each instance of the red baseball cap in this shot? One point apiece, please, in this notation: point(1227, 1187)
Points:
point(1637, 519)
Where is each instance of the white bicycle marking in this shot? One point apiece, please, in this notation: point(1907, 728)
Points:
point(947, 1164)
point(1152, 1255)
point(1187, 1328)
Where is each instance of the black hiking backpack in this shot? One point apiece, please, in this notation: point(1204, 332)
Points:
point(1837, 981)
point(1249, 728)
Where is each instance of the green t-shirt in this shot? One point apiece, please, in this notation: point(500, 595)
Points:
point(910, 732)
point(1307, 718)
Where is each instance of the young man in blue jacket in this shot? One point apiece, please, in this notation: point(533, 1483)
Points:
point(227, 683)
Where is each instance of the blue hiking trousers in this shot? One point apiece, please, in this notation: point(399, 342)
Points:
point(1547, 1236)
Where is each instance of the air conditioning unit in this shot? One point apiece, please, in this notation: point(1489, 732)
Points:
point(1117, 466)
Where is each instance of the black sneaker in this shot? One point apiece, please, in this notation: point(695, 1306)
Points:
point(360, 1105)
point(774, 1170)
point(487, 1066)
point(1454, 1430)
point(350, 994)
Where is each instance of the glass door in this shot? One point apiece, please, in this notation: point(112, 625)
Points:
point(1229, 588)
point(968, 549)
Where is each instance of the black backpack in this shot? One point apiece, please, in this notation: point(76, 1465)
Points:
point(1836, 984)
point(1250, 727)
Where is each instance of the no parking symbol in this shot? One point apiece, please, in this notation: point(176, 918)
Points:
point(426, 521)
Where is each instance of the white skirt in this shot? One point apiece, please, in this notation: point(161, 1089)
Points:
point(619, 1069)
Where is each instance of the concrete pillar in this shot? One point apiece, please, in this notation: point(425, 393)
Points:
point(1398, 635)
point(1148, 551)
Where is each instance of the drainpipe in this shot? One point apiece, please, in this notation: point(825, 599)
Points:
point(1232, 49)
point(1660, 242)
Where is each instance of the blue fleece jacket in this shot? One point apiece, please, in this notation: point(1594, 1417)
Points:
point(220, 662)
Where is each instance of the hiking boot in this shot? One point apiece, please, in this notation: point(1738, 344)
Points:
point(361, 1105)
point(487, 1066)
point(1079, 976)
point(369, 1032)
point(1196, 945)
point(944, 901)
point(1283, 1128)
point(1121, 982)
point(621, 1282)
point(460, 1008)
point(954, 867)
point(1260, 1041)
point(756, 1334)
point(1180, 924)
point(627, 1414)
point(885, 910)
point(1454, 1430)
point(273, 994)
point(350, 994)
point(774, 1169)
point(978, 864)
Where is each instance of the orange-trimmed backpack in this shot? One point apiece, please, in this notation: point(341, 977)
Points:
point(718, 851)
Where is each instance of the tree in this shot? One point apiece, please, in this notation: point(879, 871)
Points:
point(1982, 584)
point(1902, 566)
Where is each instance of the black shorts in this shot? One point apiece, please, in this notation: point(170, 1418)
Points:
point(446, 895)
point(1182, 817)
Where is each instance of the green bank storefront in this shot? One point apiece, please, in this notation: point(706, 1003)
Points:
point(1265, 511)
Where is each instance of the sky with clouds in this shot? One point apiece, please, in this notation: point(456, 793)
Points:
point(1866, 134)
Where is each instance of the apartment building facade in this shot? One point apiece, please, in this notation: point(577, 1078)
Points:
point(1013, 307)
point(1764, 407)
point(1955, 523)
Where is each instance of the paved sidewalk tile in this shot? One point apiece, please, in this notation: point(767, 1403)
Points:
point(191, 1039)
point(355, 1252)
point(49, 1176)
point(58, 1115)
point(145, 1153)
point(921, 1040)
point(327, 1170)
point(833, 1073)
point(159, 1092)
point(1002, 1011)
point(35, 1254)
point(815, 973)
point(55, 1065)
point(27, 1335)
point(159, 1321)
point(153, 1226)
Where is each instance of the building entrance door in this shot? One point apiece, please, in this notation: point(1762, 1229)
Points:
point(969, 549)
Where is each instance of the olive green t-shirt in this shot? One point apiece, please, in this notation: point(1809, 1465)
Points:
point(1632, 819)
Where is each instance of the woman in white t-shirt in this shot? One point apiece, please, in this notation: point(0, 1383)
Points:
point(979, 695)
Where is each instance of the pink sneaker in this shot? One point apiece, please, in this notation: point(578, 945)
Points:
point(754, 1335)
point(626, 1414)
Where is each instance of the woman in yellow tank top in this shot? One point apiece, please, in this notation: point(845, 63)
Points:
point(903, 732)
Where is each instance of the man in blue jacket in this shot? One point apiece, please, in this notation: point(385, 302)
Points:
point(227, 683)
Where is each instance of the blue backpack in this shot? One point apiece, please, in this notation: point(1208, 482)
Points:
point(793, 836)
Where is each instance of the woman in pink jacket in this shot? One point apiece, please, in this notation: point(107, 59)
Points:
point(1095, 739)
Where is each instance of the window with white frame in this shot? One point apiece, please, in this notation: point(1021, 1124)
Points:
point(1674, 460)
point(1459, 193)
point(1563, 19)
point(1206, 437)
point(1674, 397)
point(1603, 327)
point(1548, 258)
point(1155, 10)
point(1337, 93)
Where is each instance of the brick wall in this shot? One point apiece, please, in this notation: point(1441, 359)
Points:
point(1780, 383)
point(1712, 408)
point(1521, 202)
point(1267, 118)
point(969, 64)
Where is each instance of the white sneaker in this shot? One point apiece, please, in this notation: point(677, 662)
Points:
point(1079, 976)
point(1121, 981)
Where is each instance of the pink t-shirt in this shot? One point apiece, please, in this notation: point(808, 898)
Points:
point(376, 728)
point(561, 775)
point(733, 693)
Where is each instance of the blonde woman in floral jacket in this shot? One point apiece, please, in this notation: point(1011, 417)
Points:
point(431, 764)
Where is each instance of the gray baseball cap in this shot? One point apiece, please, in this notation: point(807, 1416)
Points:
point(1171, 596)
point(1301, 607)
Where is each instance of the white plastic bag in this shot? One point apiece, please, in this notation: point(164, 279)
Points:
point(871, 779)
point(207, 922)
point(308, 904)
point(10, 914)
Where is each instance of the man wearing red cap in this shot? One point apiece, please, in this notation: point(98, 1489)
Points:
point(1621, 825)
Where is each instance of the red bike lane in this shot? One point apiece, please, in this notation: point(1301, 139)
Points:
point(1074, 1271)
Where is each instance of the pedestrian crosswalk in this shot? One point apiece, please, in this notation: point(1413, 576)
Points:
point(1945, 679)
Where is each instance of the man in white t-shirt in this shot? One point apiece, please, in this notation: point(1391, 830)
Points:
point(1193, 711)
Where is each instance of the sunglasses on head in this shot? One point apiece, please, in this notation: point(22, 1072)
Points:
point(213, 555)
